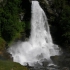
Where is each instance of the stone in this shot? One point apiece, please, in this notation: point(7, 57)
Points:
point(65, 68)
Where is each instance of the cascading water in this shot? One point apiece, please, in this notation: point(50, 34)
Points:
point(40, 45)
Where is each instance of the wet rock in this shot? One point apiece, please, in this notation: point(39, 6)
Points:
point(45, 63)
point(26, 4)
point(65, 68)
point(62, 61)
point(1, 0)
point(46, 5)
point(57, 59)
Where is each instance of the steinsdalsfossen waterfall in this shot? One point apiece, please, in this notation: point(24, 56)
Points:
point(40, 45)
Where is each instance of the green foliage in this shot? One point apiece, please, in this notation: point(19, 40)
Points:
point(9, 20)
point(62, 21)
point(9, 65)
point(2, 44)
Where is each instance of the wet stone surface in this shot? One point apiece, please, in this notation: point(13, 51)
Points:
point(59, 63)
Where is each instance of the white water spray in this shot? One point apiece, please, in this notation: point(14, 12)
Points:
point(40, 45)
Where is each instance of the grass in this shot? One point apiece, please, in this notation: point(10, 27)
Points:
point(9, 65)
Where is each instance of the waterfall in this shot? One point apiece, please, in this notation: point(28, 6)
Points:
point(40, 45)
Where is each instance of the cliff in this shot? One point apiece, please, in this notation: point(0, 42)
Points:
point(11, 29)
point(57, 11)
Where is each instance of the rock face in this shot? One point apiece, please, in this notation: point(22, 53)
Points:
point(1, 0)
point(62, 61)
point(46, 5)
point(26, 5)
